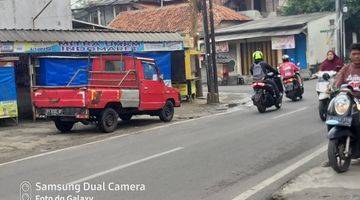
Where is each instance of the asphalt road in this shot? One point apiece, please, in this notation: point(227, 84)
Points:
point(216, 157)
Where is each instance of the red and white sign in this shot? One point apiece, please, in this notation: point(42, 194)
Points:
point(222, 47)
point(283, 42)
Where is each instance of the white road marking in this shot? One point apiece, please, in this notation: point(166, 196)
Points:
point(115, 137)
point(124, 166)
point(289, 113)
point(257, 188)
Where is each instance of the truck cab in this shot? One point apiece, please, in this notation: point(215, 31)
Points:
point(115, 87)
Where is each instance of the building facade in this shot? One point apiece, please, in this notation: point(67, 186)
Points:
point(25, 14)
point(305, 38)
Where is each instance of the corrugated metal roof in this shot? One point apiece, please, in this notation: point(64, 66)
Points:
point(240, 36)
point(22, 35)
point(274, 22)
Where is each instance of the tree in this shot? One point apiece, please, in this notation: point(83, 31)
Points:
point(295, 7)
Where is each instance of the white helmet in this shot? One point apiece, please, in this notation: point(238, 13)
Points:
point(285, 58)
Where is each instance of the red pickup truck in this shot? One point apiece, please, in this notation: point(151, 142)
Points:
point(118, 87)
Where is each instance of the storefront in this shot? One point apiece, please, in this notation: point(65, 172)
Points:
point(23, 48)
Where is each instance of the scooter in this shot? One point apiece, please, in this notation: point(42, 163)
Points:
point(343, 123)
point(293, 89)
point(265, 96)
point(325, 91)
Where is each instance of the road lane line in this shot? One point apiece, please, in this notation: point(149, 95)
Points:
point(257, 188)
point(118, 136)
point(289, 113)
point(124, 166)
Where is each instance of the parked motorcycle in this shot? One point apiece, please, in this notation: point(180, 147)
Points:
point(293, 89)
point(325, 91)
point(343, 122)
point(265, 96)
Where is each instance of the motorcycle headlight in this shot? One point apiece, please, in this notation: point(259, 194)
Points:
point(342, 104)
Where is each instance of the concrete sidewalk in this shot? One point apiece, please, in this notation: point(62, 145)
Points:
point(323, 183)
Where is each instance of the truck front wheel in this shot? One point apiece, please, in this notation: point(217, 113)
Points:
point(167, 112)
point(108, 120)
point(64, 126)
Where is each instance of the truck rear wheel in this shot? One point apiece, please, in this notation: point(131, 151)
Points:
point(64, 126)
point(167, 112)
point(108, 120)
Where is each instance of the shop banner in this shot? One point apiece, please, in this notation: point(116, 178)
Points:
point(222, 47)
point(283, 42)
point(101, 46)
point(36, 47)
point(85, 47)
point(164, 46)
point(6, 47)
point(8, 109)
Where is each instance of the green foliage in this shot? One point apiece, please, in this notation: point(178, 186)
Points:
point(295, 7)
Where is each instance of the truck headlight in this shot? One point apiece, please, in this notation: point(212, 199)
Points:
point(342, 104)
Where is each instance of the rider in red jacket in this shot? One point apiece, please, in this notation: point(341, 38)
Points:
point(288, 69)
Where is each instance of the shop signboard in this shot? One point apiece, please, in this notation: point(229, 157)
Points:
point(222, 47)
point(163, 46)
point(283, 42)
point(6, 47)
point(84, 47)
point(100, 46)
point(36, 47)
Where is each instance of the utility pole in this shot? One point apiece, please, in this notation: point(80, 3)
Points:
point(212, 96)
point(213, 51)
point(194, 34)
point(340, 28)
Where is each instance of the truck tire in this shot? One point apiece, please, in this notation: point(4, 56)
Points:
point(167, 112)
point(108, 120)
point(64, 126)
point(125, 117)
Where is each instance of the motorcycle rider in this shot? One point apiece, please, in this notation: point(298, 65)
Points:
point(350, 73)
point(288, 69)
point(260, 69)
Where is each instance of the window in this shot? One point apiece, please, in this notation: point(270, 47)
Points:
point(114, 66)
point(150, 72)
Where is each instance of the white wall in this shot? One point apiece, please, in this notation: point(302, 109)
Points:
point(318, 43)
point(19, 14)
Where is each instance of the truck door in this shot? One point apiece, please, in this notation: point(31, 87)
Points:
point(151, 87)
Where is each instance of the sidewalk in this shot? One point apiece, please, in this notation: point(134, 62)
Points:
point(323, 184)
point(30, 138)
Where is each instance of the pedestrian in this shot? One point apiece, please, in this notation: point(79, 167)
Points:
point(332, 62)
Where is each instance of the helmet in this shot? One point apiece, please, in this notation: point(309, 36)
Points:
point(258, 55)
point(285, 58)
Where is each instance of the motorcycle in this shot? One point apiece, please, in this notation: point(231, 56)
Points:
point(325, 91)
point(343, 123)
point(265, 96)
point(293, 88)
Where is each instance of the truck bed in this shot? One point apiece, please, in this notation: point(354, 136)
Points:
point(54, 97)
